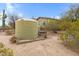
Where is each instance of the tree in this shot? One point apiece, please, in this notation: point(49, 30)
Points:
point(70, 36)
point(12, 20)
point(72, 13)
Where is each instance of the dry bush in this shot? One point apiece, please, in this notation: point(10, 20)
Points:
point(13, 39)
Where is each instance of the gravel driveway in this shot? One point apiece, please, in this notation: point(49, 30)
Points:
point(49, 47)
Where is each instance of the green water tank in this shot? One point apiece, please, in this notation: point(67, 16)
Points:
point(26, 29)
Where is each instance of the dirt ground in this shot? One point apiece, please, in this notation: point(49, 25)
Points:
point(48, 47)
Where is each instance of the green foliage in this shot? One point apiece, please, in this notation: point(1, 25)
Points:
point(5, 51)
point(59, 25)
point(52, 25)
point(64, 24)
point(72, 14)
point(63, 36)
point(1, 45)
point(70, 24)
point(71, 35)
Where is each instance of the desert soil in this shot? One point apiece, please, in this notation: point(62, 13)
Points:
point(48, 47)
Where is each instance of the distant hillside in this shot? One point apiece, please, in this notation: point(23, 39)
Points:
point(44, 18)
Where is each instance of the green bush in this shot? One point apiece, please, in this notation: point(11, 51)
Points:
point(59, 25)
point(1, 45)
point(63, 24)
point(71, 35)
point(53, 25)
point(5, 51)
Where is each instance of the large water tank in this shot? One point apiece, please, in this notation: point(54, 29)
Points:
point(26, 29)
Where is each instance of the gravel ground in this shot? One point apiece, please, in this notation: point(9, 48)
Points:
point(49, 47)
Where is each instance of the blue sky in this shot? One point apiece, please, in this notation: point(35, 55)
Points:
point(36, 9)
point(29, 10)
point(48, 10)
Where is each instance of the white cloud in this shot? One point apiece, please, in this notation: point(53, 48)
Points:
point(51, 16)
point(10, 8)
point(20, 15)
point(57, 17)
point(1, 16)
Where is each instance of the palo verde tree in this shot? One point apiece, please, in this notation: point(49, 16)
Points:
point(72, 14)
point(71, 34)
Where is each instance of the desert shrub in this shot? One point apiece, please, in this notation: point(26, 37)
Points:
point(53, 25)
point(69, 40)
point(58, 25)
point(63, 24)
point(5, 51)
point(13, 39)
point(1, 45)
point(71, 35)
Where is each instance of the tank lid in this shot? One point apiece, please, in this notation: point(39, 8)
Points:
point(26, 19)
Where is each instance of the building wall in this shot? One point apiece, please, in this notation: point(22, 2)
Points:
point(42, 22)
